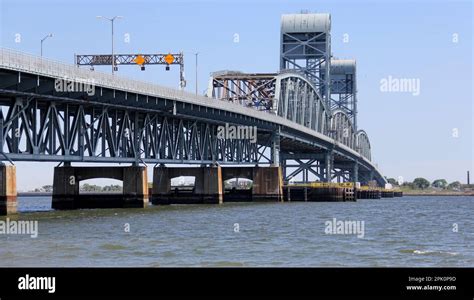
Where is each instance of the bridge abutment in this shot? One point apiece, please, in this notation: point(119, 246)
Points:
point(8, 194)
point(66, 187)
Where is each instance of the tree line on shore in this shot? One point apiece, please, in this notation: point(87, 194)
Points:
point(83, 188)
point(421, 183)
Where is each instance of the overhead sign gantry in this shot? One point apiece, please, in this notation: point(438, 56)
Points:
point(135, 59)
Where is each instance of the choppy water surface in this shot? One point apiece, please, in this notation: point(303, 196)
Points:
point(408, 231)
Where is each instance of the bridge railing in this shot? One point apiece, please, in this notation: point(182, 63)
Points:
point(47, 67)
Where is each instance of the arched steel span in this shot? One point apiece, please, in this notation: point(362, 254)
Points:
point(298, 100)
point(291, 96)
point(288, 95)
point(363, 144)
point(342, 129)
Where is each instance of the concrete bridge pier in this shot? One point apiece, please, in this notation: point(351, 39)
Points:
point(207, 185)
point(8, 204)
point(209, 188)
point(267, 184)
point(66, 187)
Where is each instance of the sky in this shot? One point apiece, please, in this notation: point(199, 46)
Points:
point(423, 133)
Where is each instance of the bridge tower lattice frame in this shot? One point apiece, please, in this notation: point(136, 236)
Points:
point(344, 88)
point(305, 47)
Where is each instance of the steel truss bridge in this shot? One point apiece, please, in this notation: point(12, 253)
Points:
point(99, 117)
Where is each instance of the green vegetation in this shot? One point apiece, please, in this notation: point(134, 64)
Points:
point(84, 188)
point(440, 183)
point(241, 184)
point(97, 188)
point(439, 186)
point(392, 181)
point(454, 185)
point(44, 189)
point(421, 183)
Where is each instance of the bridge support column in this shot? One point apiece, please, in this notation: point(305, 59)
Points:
point(207, 186)
point(135, 187)
point(8, 204)
point(275, 149)
point(328, 166)
point(212, 190)
point(161, 187)
point(66, 187)
point(355, 173)
point(355, 180)
point(267, 184)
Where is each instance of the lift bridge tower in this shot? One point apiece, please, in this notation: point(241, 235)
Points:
point(344, 88)
point(306, 49)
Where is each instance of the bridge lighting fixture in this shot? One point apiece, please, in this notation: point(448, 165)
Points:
point(44, 39)
point(114, 68)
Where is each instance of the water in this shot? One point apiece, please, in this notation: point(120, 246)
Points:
point(408, 231)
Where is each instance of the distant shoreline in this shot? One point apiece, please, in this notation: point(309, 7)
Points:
point(44, 194)
point(437, 194)
point(33, 194)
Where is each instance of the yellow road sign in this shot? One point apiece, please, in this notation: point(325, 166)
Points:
point(169, 59)
point(139, 60)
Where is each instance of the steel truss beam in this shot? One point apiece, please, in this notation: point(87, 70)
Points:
point(42, 130)
point(303, 170)
point(249, 90)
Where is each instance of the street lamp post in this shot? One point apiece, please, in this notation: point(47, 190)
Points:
point(196, 54)
point(44, 39)
point(112, 21)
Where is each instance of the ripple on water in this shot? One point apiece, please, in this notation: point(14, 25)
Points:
point(428, 252)
point(223, 264)
point(168, 254)
point(109, 246)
